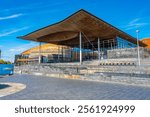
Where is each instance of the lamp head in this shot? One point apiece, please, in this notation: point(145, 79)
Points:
point(137, 31)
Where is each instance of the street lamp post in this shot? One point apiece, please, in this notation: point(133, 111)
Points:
point(80, 42)
point(138, 50)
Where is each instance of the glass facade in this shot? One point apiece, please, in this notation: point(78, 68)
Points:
point(89, 51)
point(105, 45)
point(121, 43)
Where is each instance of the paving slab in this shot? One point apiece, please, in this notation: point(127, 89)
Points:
point(10, 88)
point(48, 88)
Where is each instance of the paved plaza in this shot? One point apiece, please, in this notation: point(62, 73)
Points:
point(44, 88)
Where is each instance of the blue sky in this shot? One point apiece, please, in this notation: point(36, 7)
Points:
point(19, 17)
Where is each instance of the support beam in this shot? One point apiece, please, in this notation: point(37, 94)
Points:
point(103, 45)
point(58, 54)
point(62, 50)
point(98, 49)
point(80, 42)
point(39, 52)
point(111, 46)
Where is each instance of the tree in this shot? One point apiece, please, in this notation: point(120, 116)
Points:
point(4, 62)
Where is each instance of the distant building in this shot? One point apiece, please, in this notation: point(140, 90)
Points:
point(51, 53)
point(48, 53)
point(147, 42)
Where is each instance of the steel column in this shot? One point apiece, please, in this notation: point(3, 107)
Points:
point(98, 49)
point(80, 42)
point(39, 52)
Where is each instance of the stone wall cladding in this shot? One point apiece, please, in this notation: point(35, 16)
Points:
point(128, 53)
point(130, 80)
point(43, 68)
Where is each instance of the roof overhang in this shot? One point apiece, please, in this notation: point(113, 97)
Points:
point(67, 31)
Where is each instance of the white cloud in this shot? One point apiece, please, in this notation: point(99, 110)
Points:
point(34, 8)
point(134, 24)
point(11, 16)
point(17, 50)
point(10, 54)
point(134, 21)
point(6, 33)
point(22, 48)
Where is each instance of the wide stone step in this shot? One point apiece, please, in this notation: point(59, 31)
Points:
point(109, 74)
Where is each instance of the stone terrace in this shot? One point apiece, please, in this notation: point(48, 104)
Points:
point(111, 70)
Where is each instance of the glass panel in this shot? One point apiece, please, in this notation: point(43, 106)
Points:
point(124, 43)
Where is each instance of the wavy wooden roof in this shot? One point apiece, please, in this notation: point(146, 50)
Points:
point(67, 31)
